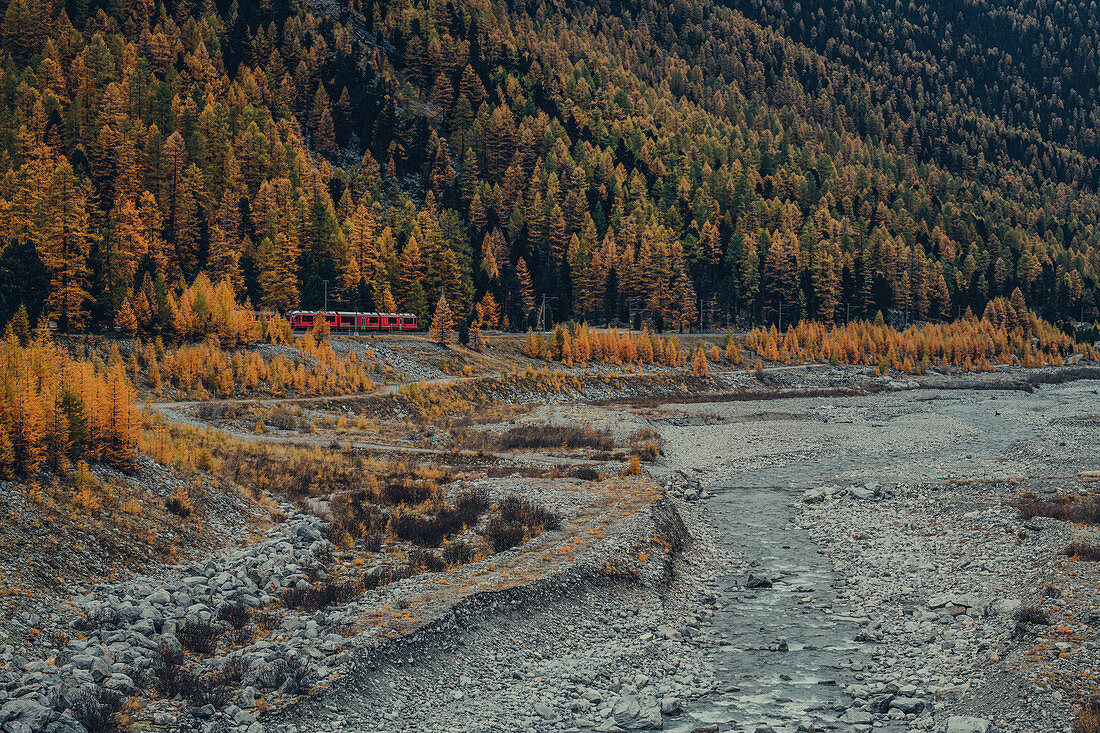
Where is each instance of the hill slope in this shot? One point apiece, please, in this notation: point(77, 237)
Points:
point(612, 156)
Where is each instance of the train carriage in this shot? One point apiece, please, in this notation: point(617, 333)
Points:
point(354, 322)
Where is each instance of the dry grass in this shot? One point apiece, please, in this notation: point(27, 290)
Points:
point(1087, 719)
point(1084, 510)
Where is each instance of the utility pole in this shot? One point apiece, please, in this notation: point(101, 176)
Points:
point(326, 297)
point(542, 312)
point(781, 304)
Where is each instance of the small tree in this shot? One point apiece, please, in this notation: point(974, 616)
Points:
point(699, 363)
point(320, 328)
point(125, 320)
point(477, 341)
point(21, 325)
point(442, 323)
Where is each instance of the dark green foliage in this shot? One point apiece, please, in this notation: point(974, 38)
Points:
point(97, 710)
point(200, 637)
point(320, 596)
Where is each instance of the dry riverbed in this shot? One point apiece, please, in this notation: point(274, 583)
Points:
point(907, 495)
point(840, 563)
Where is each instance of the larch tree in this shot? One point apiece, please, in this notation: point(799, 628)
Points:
point(223, 259)
point(488, 312)
point(277, 262)
point(526, 289)
point(65, 246)
point(442, 322)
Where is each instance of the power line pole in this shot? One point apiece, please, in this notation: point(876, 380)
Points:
point(326, 297)
point(781, 313)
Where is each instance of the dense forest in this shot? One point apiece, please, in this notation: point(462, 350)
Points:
point(692, 163)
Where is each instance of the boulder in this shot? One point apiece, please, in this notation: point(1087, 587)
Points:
point(26, 711)
point(637, 712)
point(757, 581)
point(908, 705)
point(855, 716)
point(967, 724)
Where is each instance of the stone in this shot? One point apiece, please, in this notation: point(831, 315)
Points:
point(813, 496)
point(880, 704)
point(967, 724)
point(855, 716)
point(671, 706)
point(159, 597)
point(908, 705)
point(204, 713)
point(861, 493)
point(637, 712)
point(544, 712)
point(757, 581)
point(26, 711)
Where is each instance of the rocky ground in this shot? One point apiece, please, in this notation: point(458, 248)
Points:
point(907, 494)
point(824, 562)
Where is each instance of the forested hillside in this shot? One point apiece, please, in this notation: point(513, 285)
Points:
point(698, 161)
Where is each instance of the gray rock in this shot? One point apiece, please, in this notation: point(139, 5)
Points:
point(855, 716)
point(26, 711)
point(966, 724)
point(757, 581)
point(204, 713)
point(813, 496)
point(863, 494)
point(671, 706)
point(544, 712)
point(265, 675)
point(908, 705)
point(637, 712)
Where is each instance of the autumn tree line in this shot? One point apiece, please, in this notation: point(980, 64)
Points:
point(676, 161)
point(57, 412)
point(1007, 333)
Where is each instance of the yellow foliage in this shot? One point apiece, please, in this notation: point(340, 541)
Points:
point(584, 345)
point(965, 344)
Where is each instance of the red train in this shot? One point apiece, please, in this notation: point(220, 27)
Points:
point(354, 322)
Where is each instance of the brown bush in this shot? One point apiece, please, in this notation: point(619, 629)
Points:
point(1085, 510)
point(555, 436)
point(1083, 550)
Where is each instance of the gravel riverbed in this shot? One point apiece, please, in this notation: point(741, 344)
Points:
point(827, 563)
